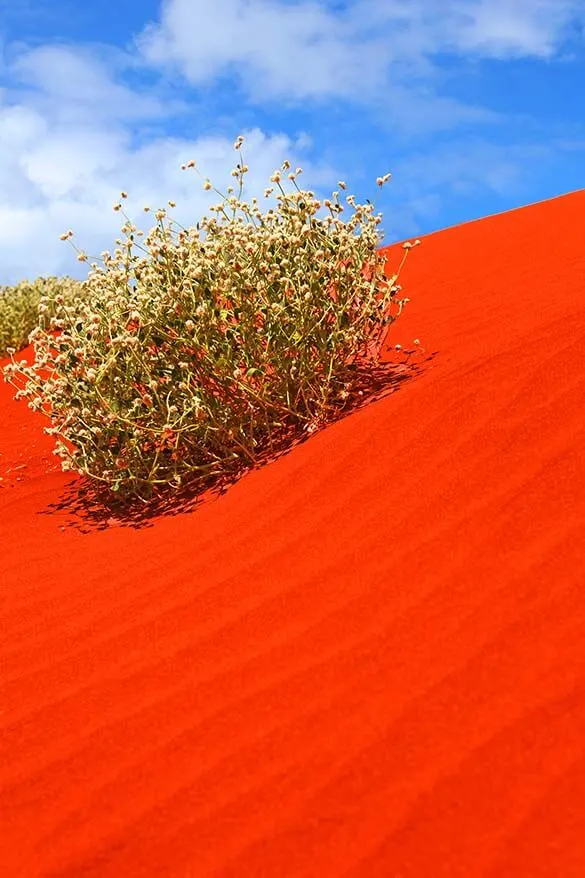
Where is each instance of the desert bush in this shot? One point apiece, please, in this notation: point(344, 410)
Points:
point(19, 307)
point(195, 350)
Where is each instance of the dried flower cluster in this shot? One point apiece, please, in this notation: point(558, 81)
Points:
point(19, 307)
point(194, 350)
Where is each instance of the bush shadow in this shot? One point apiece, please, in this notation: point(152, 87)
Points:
point(90, 508)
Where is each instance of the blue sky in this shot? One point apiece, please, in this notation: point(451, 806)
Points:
point(476, 106)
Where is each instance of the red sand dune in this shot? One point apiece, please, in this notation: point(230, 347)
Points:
point(367, 658)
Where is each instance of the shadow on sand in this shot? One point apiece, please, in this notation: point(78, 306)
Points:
point(90, 509)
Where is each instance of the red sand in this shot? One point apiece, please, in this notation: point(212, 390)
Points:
point(366, 659)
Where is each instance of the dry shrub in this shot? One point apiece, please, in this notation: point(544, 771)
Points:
point(19, 307)
point(196, 351)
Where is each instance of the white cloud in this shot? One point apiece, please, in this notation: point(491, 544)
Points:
point(278, 49)
point(64, 161)
point(504, 28)
point(478, 28)
point(291, 51)
point(78, 84)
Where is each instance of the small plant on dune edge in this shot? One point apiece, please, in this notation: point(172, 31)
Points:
point(195, 351)
point(19, 307)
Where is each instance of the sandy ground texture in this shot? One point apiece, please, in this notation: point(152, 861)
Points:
point(365, 659)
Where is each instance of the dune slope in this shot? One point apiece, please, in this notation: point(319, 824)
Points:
point(367, 658)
